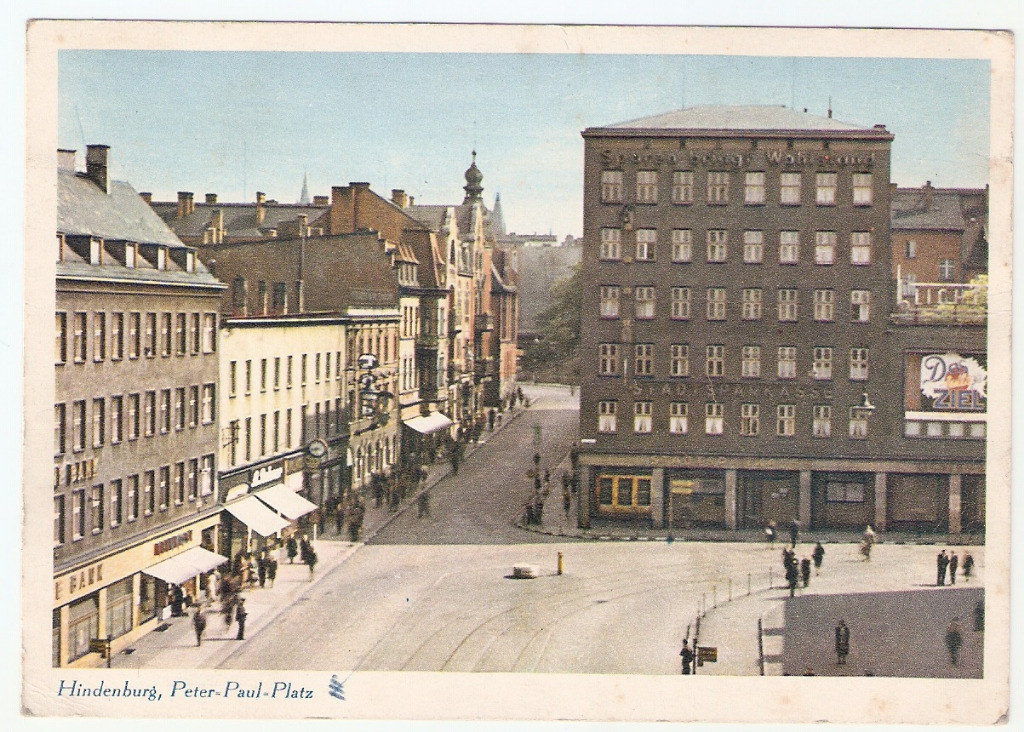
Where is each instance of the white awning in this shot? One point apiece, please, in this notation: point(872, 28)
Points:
point(285, 501)
point(185, 566)
point(431, 423)
point(251, 512)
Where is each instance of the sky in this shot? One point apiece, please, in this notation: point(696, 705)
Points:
point(234, 123)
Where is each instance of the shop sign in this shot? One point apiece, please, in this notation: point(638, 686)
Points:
point(950, 382)
point(269, 474)
point(172, 542)
point(77, 581)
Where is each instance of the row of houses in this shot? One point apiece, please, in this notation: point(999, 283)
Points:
point(223, 370)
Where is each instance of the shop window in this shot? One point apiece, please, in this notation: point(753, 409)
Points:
point(83, 625)
point(623, 492)
point(844, 492)
point(147, 598)
point(119, 608)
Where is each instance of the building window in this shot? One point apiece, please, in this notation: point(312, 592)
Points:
point(858, 364)
point(609, 301)
point(753, 189)
point(59, 531)
point(133, 416)
point(61, 345)
point(263, 430)
point(753, 247)
point(277, 431)
point(193, 405)
point(822, 364)
point(789, 189)
point(165, 487)
point(860, 248)
point(910, 249)
point(192, 480)
point(59, 428)
point(678, 420)
point(750, 420)
point(80, 340)
point(99, 336)
point(825, 189)
point(862, 189)
point(822, 425)
point(647, 186)
point(716, 303)
point(316, 369)
point(786, 420)
point(149, 339)
point(116, 336)
point(751, 364)
point(277, 371)
point(680, 363)
point(789, 300)
point(787, 362)
point(98, 422)
point(180, 334)
point(149, 414)
point(98, 506)
point(718, 243)
point(196, 334)
point(78, 426)
point(718, 187)
point(606, 416)
point(682, 186)
point(643, 359)
point(682, 245)
point(947, 270)
point(608, 360)
point(642, 417)
point(77, 514)
point(209, 332)
point(611, 243)
point(288, 374)
point(646, 242)
point(714, 363)
point(179, 408)
point(789, 247)
point(825, 247)
point(752, 304)
point(714, 418)
point(858, 423)
point(263, 374)
point(165, 411)
point(644, 299)
point(680, 303)
point(278, 298)
point(132, 498)
point(165, 335)
point(611, 186)
point(116, 425)
point(248, 377)
point(208, 395)
point(824, 306)
point(232, 378)
point(860, 306)
point(134, 335)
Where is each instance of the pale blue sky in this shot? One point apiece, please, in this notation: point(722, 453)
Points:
point(235, 123)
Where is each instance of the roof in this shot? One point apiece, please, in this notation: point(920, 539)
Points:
point(742, 118)
point(239, 218)
point(431, 216)
point(927, 208)
point(121, 215)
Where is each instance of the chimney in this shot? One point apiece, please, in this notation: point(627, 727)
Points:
point(928, 194)
point(211, 198)
point(320, 201)
point(146, 196)
point(260, 211)
point(303, 225)
point(399, 198)
point(66, 160)
point(217, 224)
point(96, 166)
point(411, 199)
point(185, 205)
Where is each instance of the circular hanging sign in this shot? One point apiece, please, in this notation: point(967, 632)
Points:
point(317, 448)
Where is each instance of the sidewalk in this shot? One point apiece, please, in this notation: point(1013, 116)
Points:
point(174, 646)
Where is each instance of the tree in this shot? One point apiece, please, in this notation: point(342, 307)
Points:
point(556, 354)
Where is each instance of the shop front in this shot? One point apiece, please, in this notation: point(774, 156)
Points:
point(625, 494)
point(766, 496)
point(695, 498)
point(424, 436)
point(123, 595)
point(842, 500)
point(918, 502)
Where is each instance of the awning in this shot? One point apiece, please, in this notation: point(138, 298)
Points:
point(251, 512)
point(431, 423)
point(285, 501)
point(185, 566)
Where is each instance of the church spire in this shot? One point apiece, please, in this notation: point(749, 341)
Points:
point(498, 217)
point(473, 188)
point(304, 195)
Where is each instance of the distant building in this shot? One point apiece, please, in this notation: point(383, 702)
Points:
point(135, 428)
point(540, 268)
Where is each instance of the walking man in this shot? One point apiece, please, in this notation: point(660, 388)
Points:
point(954, 640)
point(292, 548)
point(271, 570)
point(794, 533)
point(968, 566)
point(818, 555)
point(240, 615)
point(805, 571)
point(842, 643)
point(941, 561)
point(687, 654)
point(954, 560)
point(199, 624)
point(791, 576)
point(261, 569)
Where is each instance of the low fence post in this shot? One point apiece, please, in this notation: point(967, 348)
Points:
point(760, 647)
point(748, 583)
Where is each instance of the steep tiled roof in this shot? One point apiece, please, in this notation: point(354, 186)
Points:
point(239, 218)
point(912, 209)
point(776, 118)
point(431, 216)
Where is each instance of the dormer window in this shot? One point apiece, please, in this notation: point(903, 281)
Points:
point(131, 255)
point(95, 251)
point(190, 261)
point(60, 247)
point(161, 258)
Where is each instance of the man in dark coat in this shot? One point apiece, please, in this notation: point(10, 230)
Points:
point(954, 560)
point(805, 571)
point(794, 533)
point(818, 555)
point(968, 565)
point(842, 643)
point(240, 615)
point(954, 640)
point(687, 655)
point(271, 570)
point(292, 548)
point(941, 561)
point(791, 577)
point(199, 624)
point(261, 569)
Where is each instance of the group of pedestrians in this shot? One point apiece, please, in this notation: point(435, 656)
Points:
point(951, 562)
point(799, 570)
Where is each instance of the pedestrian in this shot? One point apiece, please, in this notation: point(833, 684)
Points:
point(261, 569)
point(271, 570)
point(842, 643)
point(456, 458)
point(339, 517)
point(177, 598)
point(423, 504)
point(199, 624)
point(941, 562)
point(954, 640)
point(805, 571)
point(566, 501)
point(240, 615)
point(818, 555)
point(954, 560)
point(574, 456)
point(536, 484)
point(968, 566)
point(292, 548)
point(687, 656)
point(491, 414)
point(791, 576)
point(769, 532)
point(794, 533)
point(311, 560)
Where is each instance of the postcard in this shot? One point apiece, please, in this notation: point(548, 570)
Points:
point(532, 373)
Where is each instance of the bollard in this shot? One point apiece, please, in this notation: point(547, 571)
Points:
point(703, 603)
point(730, 589)
point(559, 562)
point(748, 583)
point(714, 596)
